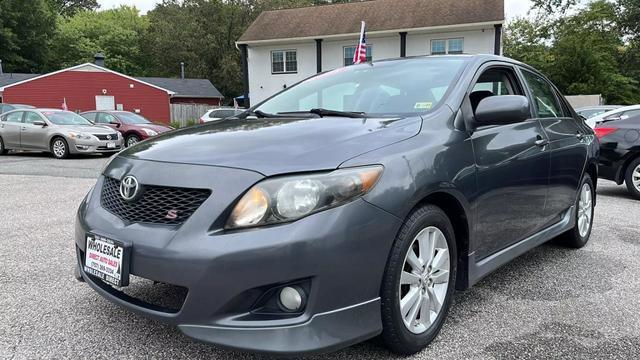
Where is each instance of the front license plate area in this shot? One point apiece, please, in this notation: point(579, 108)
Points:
point(111, 145)
point(107, 260)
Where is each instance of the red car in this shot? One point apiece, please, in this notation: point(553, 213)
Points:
point(133, 127)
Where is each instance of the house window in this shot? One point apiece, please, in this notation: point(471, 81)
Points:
point(284, 61)
point(447, 46)
point(350, 51)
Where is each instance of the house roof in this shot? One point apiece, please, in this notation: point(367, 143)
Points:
point(198, 88)
point(10, 78)
point(380, 15)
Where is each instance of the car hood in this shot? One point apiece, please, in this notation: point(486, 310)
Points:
point(276, 146)
point(95, 129)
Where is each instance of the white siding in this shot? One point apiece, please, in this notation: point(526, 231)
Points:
point(263, 84)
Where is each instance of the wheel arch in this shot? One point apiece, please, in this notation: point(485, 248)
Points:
point(458, 215)
point(622, 172)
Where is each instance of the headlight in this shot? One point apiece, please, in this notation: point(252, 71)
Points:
point(150, 132)
point(80, 135)
point(290, 198)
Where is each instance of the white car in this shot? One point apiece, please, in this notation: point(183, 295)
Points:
point(617, 114)
point(219, 114)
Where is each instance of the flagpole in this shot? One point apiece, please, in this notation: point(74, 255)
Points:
point(361, 33)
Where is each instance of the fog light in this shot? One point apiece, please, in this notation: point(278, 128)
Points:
point(291, 298)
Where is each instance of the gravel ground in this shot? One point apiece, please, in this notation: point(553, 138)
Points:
point(549, 303)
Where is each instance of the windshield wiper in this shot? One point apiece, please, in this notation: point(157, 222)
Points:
point(326, 112)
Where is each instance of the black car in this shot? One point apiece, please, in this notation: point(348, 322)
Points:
point(8, 107)
point(348, 206)
point(620, 152)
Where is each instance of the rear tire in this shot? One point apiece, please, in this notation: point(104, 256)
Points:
point(3, 150)
point(585, 204)
point(424, 248)
point(632, 178)
point(59, 148)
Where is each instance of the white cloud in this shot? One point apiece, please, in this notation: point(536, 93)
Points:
point(515, 8)
point(143, 5)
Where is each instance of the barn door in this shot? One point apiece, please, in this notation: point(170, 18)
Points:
point(105, 102)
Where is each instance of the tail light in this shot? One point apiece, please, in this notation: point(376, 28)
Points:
point(604, 131)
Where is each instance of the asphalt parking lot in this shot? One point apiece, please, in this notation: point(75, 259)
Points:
point(550, 303)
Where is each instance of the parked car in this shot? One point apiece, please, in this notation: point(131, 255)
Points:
point(8, 107)
point(60, 132)
point(133, 127)
point(219, 114)
point(620, 152)
point(350, 205)
point(591, 111)
point(617, 114)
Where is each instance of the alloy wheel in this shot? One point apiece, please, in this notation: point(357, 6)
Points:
point(585, 210)
point(132, 140)
point(635, 177)
point(59, 148)
point(424, 280)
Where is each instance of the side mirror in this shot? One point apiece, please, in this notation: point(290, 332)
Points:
point(39, 123)
point(502, 110)
point(117, 124)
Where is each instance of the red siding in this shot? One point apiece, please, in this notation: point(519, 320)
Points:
point(189, 100)
point(81, 87)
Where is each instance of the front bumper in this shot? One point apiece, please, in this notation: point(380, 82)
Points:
point(78, 146)
point(341, 253)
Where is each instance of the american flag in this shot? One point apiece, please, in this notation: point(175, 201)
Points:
point(360, 56)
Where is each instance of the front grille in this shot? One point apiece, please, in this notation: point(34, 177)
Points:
point(155, 204)
point(106, 137)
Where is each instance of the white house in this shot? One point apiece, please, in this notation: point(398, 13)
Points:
point(282, 47)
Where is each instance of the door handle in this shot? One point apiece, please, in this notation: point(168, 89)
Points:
point(542, 142)
point(580, 136)
point(23, 128)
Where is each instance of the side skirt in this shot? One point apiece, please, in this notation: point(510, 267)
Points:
point(480, 269)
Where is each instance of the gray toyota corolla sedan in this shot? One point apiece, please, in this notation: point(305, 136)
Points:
point(349, 206)
point(56, 131)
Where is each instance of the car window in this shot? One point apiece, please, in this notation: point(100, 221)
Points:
point(386, 88)
point(14, 117)
point(630, 113)
point(496, 81)
point(593, 112)
point(214, 114)
point(65, 118)
point(30, 117)
point(89, 116)
point(104, 118)
point(547, 105)
point(132, 118)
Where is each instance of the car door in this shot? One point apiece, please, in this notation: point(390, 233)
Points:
point(512, 169)
point(33, 137)
point(567, 144)
point(10, 129)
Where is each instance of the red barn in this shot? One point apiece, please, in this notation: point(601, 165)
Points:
point(93, 87)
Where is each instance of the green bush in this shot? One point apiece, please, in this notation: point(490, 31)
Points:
point(191, 122)
point(175, 124)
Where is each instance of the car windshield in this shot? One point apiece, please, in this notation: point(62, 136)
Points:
point(384, 88)
point(65, 118)
point(132, 119)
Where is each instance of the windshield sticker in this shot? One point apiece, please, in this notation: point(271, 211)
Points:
point(423, 105)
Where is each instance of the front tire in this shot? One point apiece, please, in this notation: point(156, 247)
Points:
point(3, 150)
point(585, 204)
point(59, 148)
point(419, 281)
point(132, 140)
point(632, 178)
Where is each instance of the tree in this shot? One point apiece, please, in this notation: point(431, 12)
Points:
point(71, 7)
point(26, 27)
point(583, 53)
point(116, 32)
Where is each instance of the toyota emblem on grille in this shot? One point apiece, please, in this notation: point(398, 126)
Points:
point(129, 188)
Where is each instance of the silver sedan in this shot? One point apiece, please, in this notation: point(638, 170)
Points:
point(56, 131)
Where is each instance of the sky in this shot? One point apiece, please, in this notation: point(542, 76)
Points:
point(513, 8)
